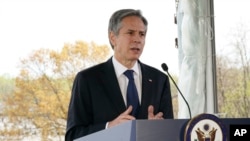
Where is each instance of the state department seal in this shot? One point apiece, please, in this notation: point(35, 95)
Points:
point(205, 127)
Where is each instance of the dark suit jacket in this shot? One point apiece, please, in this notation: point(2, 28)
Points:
point(96, 98)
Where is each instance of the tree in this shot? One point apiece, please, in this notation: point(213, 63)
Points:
point(228, 86)
point(233, 75)
point(7, 85)
point(239, 41)
point(43, 87)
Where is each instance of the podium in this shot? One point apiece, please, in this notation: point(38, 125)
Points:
point(151, 130)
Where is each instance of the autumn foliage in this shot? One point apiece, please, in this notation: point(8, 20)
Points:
point(40, 100)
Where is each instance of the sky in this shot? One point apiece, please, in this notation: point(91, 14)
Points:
point(28, 25)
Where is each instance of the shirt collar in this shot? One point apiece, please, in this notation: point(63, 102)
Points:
point(120, 69)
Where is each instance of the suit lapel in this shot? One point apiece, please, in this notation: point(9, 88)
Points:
point(113, 91)
point(111, 84)
point(147, 90)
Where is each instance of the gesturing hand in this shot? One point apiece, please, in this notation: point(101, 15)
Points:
point(123, 117)
point(151, 113)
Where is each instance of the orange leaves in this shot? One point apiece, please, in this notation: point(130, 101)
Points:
point(43, 86)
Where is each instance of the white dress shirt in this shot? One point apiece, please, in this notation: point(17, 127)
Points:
point(123, 80)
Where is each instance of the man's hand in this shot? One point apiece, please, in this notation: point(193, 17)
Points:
point(151, 113)
point(123, 117)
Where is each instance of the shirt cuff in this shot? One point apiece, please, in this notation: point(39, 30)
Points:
point(107, 124)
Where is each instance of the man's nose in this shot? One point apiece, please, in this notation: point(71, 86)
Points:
point(137, 38)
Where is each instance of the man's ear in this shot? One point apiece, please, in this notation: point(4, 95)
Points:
point(112, 38)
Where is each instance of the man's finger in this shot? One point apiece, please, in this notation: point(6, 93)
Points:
point(159, 115)
point(128, 111)
point(126, 114)
point(150, 111)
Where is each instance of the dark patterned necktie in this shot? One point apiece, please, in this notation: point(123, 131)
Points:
point(132, 95)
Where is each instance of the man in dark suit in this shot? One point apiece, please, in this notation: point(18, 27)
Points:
point(98, 98)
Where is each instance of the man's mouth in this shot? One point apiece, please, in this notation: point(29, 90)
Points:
point(135, 49)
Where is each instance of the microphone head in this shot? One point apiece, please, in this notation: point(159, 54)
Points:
point(164, 67)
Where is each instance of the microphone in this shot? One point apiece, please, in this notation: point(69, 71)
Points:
point(165, 68)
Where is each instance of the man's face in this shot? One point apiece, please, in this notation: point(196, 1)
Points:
point(129, 43)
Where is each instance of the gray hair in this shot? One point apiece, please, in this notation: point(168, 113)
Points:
point(115, 20)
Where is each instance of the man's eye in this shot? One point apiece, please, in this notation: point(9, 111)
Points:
point(142, 34)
